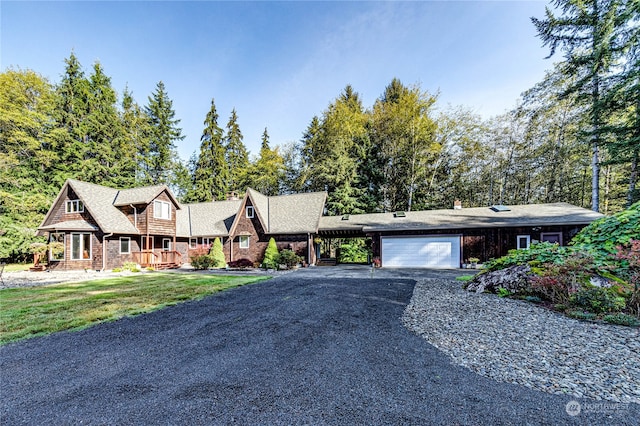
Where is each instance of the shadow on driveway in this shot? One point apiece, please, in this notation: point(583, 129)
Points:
point(291, 350)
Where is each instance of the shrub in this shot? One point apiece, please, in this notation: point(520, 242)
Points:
point(535, 255)
point(559, 282)
point(116, 270)
point(130, 266)
point(589, 316)
point(597, 300)
point(503, 292)
point(354, 251)
point(241, 263)
point(271, 255)
point(217, 254)
point(622, 319)
point(288, 258)
point(201, 262)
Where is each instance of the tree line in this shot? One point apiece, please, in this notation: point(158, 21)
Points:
point(573, 137)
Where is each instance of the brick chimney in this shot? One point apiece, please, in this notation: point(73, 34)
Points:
point(457, 205)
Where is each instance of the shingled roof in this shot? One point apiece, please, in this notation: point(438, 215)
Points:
point(296, 213)
point(142, 195)
point(476, 217)
point(98, 201)
point(213, 219)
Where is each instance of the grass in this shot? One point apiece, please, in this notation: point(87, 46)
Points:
point(37, 311)
point(17, 267)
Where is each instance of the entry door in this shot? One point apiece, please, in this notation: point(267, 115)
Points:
point(438, 252)
point(151, 243)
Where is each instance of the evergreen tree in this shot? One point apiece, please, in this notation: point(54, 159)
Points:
point(71, 112)
point(236, 154)
point(108, 160)
point(217, 254)
point(587, 31)
point(136, 130)
point(211, 173)
point(163, 134)
point(271, 255)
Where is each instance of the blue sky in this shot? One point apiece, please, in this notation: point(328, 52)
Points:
point(281, 63)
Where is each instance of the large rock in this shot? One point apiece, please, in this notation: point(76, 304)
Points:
point(514, 278)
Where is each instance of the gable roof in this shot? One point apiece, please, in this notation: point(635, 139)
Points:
point(211, 219)
point(475, 217)
point(98, 201)
point(285, 214)
point(142, 195)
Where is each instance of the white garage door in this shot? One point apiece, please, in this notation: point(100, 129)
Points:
point(421, 252)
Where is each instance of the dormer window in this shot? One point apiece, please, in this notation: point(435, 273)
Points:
point(250, 212)
point(74, 206)
point(161, 210)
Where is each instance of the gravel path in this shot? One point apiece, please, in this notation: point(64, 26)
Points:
point(32, 279)
point(516, 342)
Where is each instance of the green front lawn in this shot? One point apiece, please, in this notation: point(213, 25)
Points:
point(37, 311)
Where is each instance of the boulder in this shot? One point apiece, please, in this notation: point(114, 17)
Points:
point(514, 278)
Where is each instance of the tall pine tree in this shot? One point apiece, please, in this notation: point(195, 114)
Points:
point(211, 174)
point(163, 134)
point(236, 154)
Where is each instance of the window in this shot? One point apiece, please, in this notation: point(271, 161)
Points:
point(244, 241)
point(250, 212)
point(205, 241)
point(166, 244)
point(56, 250)
point(74, 206)
point(125, 245)
point(552, 237)
point(81, 246)
point(193, 243)
point(523, 241)
point(161, 210)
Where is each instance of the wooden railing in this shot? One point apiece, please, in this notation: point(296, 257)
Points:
point(150, 258)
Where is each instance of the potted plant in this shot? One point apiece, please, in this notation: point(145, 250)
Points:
point(39, 251)
point(376, 262)
point(474, 262)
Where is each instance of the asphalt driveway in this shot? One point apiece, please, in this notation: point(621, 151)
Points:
point(298, 349)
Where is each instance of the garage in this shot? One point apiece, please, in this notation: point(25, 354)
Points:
point(438, 252)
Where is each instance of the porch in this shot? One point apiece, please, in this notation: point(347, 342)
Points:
point(158, 259)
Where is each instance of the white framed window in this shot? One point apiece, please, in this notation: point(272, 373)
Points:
point(125, 245)
point(250, 212)
point(166, 244)
point(74, 206)
point(161, 210)
point(56, 255)
point(552, 237)
point(80, 246)
point(523, 241)
point(193, 243)
point(205, 241)
point(244, 241)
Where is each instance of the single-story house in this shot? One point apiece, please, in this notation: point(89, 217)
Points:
point(102, 228)
point(448, 238)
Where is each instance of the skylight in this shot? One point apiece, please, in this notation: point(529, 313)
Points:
point(500, 208)
point(400, 214)
point(345, 217)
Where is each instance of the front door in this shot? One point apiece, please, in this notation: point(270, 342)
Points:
point(148, 241)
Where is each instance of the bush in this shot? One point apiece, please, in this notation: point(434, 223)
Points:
point(539, 253)
point(597, 300)
point(201, 262)
point(354, 251)
point(588, 316)
point(116, 270)
point(271, 255)
point(559, 282)
point(241, 263)
point(288, 258)
point(622, 319)
point(130, 266)
point(216, 254)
